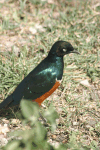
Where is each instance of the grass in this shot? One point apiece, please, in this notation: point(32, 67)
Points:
point(27, 31)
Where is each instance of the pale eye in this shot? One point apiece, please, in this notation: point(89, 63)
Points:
point(64, 50)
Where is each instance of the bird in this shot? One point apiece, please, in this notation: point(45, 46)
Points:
point(42, 81)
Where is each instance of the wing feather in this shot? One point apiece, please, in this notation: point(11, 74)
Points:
point(39, 84)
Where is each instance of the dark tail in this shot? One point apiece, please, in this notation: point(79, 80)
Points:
point(7, 102)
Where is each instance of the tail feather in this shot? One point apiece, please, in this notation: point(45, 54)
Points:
point(7, 102)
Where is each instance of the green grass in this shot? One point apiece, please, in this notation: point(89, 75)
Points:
point(77, 22)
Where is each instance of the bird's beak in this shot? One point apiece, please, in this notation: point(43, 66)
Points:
point(75, 51)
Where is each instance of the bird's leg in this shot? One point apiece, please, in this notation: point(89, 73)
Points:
point(43, 119)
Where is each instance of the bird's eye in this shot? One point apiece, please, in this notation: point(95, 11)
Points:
point(64, 50)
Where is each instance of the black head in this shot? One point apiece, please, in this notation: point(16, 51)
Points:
point(61, 48)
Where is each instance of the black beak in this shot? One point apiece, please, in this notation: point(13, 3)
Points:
point(75, 51)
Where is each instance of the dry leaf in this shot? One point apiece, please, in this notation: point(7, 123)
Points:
point(85, 83)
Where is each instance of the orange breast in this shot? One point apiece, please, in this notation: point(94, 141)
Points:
point(47, 94)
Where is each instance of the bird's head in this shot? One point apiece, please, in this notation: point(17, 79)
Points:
point(61, 48)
